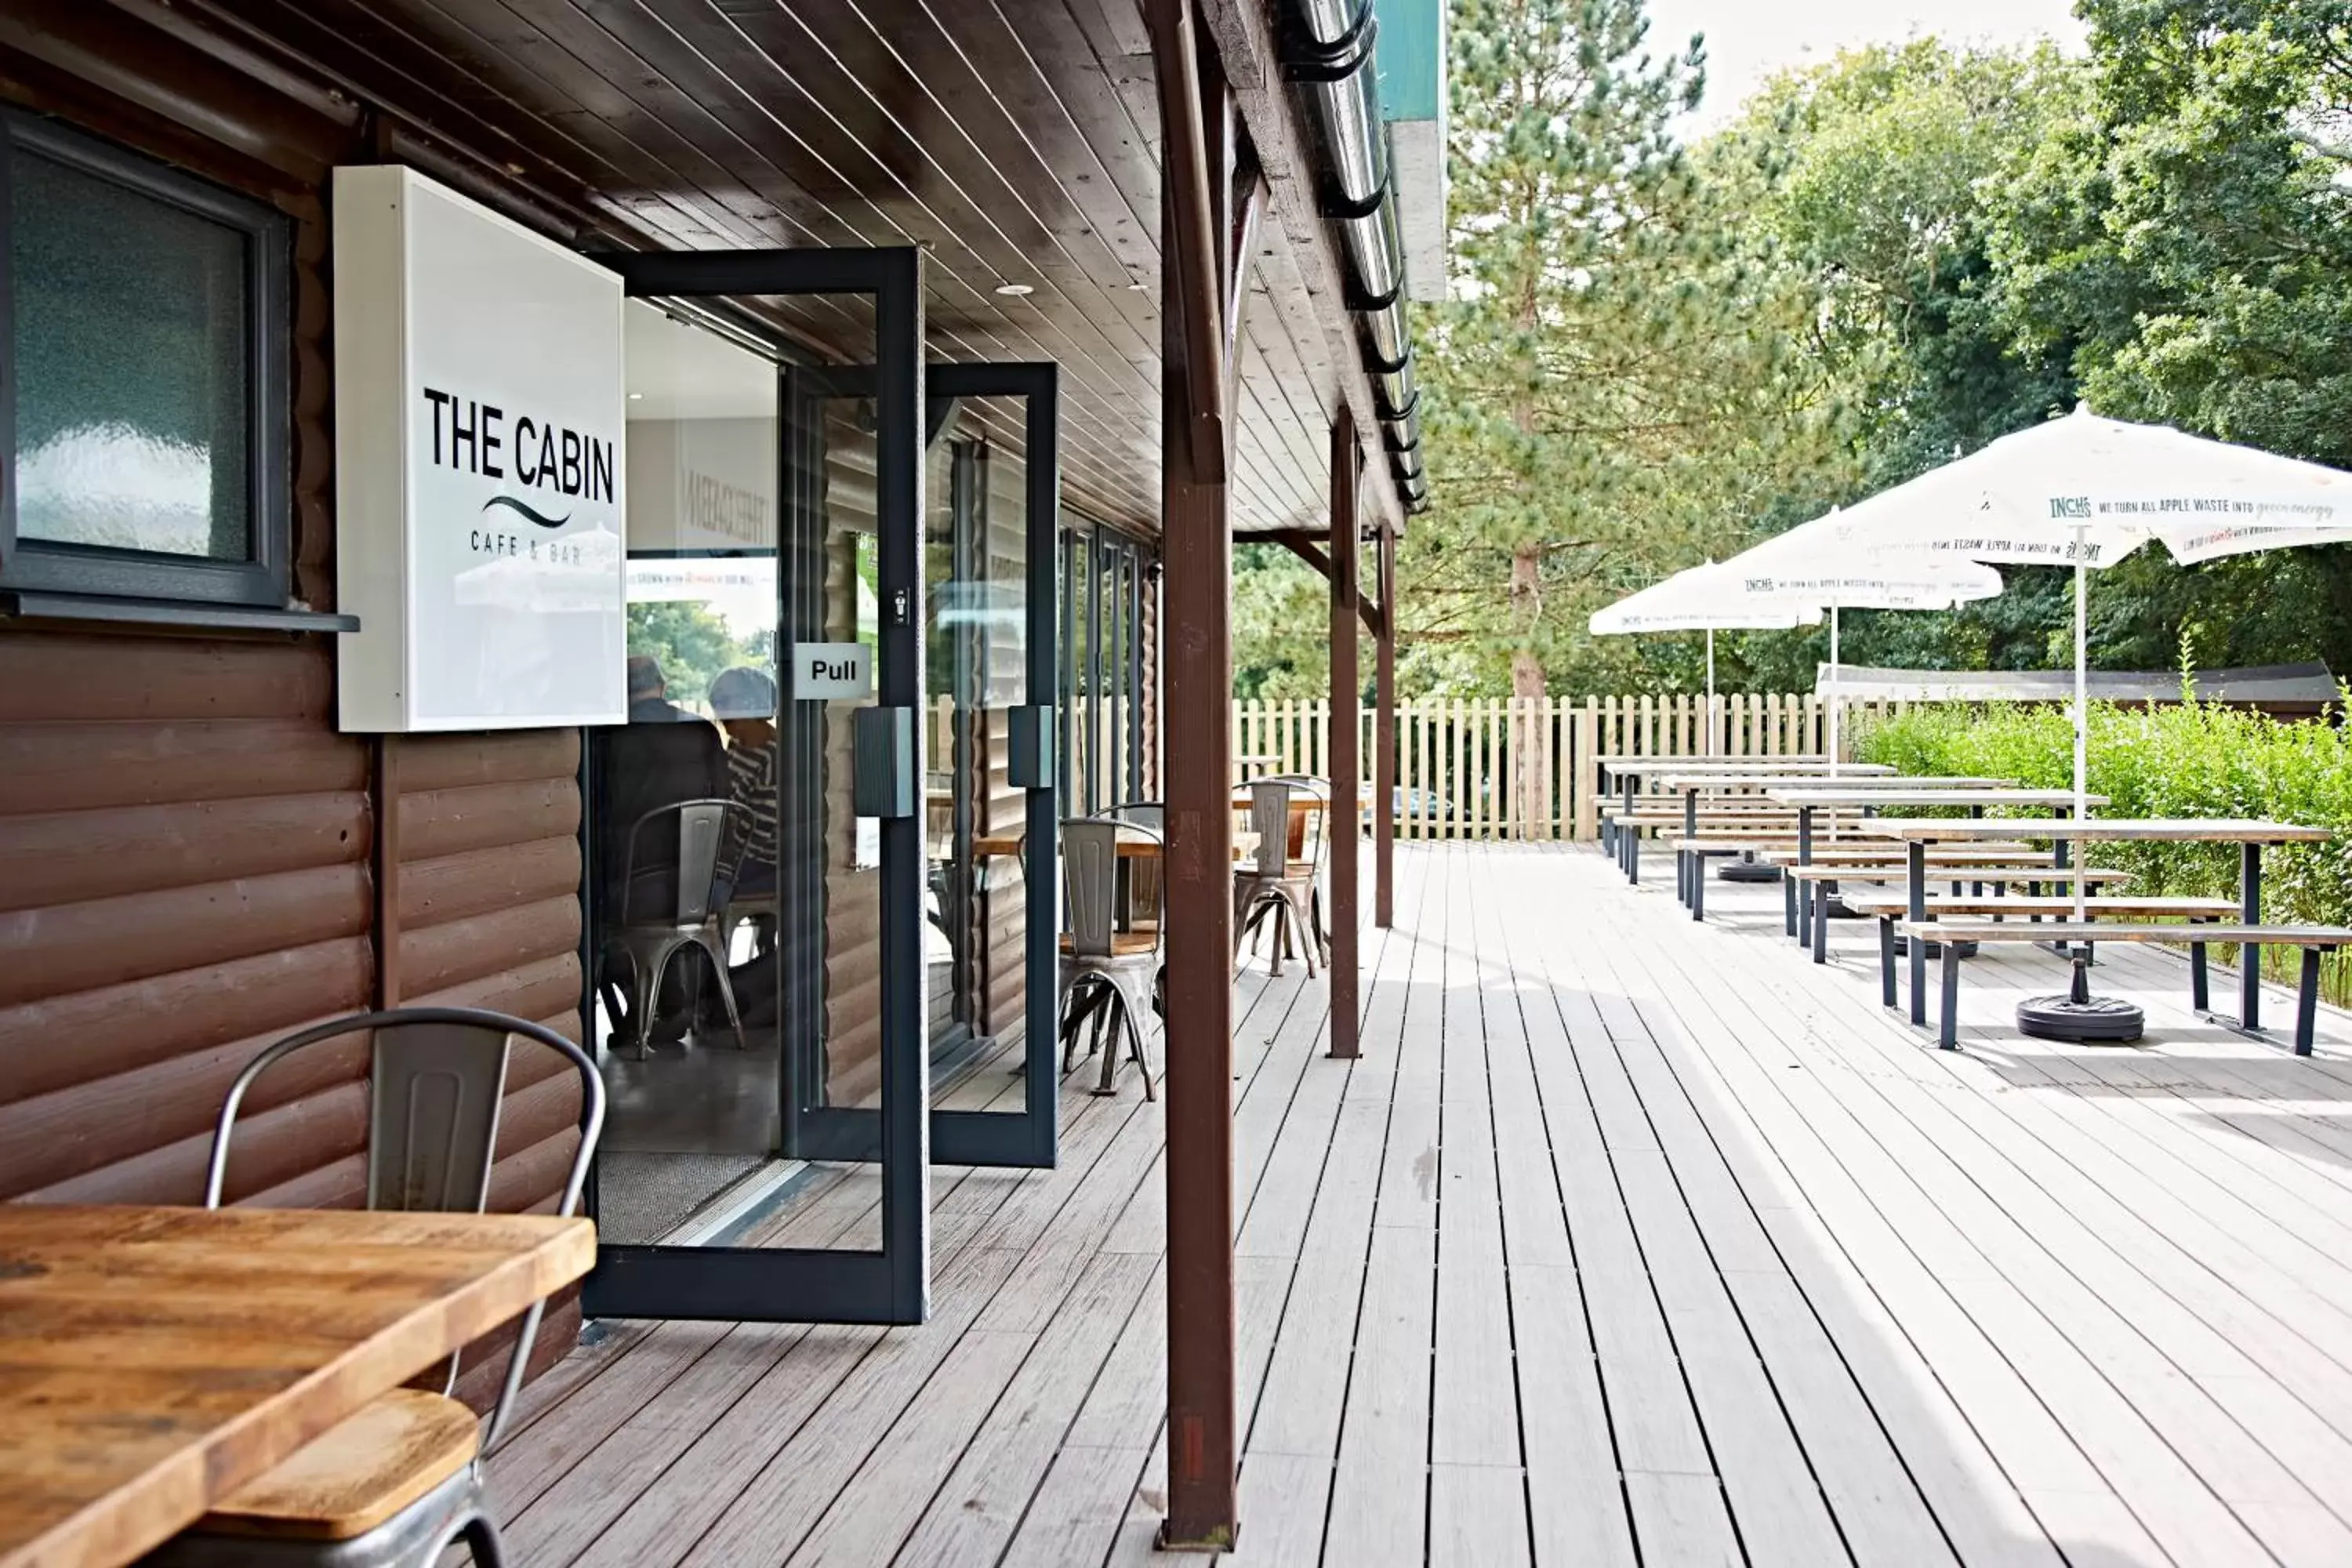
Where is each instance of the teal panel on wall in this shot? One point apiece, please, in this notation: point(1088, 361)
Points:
point(1411, 58)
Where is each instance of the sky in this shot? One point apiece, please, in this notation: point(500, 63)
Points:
point(1748, 40)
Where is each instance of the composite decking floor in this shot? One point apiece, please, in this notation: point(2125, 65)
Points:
point(1627, 1240)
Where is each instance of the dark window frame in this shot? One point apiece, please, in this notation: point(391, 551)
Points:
point(263, 579)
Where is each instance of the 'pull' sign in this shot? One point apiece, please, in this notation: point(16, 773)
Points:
point(830, 671)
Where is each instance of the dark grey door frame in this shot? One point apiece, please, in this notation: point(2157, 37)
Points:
point(891, 1285)
point(1032, 1137)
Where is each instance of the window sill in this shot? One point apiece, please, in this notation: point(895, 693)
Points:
point(168, 613)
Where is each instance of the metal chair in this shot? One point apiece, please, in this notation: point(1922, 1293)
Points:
point(1105, 971)
point(684, 887)
point(401, 1482)
point(1279, 884)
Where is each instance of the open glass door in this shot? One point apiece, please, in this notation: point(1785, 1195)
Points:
point(758, 862)
point(989, 798)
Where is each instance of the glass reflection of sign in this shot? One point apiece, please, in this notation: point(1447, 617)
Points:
point(702, 484)
point(480, 467)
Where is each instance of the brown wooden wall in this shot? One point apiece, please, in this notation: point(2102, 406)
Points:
point(192, 861)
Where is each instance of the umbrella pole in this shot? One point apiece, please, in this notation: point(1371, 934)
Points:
point(1836, 712)
point(2078, 1016)
point(2082, 702)
point(1710, 691)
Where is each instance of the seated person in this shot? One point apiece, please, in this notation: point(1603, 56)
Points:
point(745, 702)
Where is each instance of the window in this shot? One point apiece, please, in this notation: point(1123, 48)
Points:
point(142, 395)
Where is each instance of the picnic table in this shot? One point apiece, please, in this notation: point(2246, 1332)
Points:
point(153, 1361)
point(1628, 771)
point(1808, 798)
point(2251, 837)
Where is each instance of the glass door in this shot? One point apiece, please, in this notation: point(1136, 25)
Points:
point(756, 934)
point(991, 796)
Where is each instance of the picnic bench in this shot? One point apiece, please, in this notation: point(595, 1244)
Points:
point(2000, 900)
point(1918, 833)
point(2315, 942)
point(1890, 910)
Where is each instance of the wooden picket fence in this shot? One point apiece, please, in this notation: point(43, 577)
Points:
point(1527, 768)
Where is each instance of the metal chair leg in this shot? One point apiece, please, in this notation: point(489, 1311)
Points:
point(481, 1538)
point(726, 991)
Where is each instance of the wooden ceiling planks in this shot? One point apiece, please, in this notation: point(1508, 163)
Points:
point(1016, 143)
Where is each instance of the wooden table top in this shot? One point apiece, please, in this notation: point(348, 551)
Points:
point(1769, 781)
point(1643, 767)
point(153, 1359)
point(2121, 829)
point(1840, 794)
point(995, 845)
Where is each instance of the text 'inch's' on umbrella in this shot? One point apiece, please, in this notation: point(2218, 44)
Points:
point(1702, 598)
point(2084, 492)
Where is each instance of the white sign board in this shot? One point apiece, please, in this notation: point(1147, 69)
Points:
point(832, 671)
point(480, 473)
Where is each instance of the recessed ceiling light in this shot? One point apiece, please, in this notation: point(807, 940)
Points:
point(636, 397)
point(1139, 287)
point(1015, 291)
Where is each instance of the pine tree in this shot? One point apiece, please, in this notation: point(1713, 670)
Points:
point(1614, 386)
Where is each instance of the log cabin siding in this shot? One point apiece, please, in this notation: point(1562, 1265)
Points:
point(193, 860)
point(150, 943)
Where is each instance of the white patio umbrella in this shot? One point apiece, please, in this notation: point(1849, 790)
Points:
point(1791, 580)
point(1811, 562)
point(2085, 490)
point(1700, 598)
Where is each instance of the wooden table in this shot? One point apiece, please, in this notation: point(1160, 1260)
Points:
point(154, 1360)
point(1918, 833)
point(996, 846)
point(1627, 772)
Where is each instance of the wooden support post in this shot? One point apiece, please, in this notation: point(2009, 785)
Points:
point(1196, 122)
point(1347, 742)
point(1385, 742)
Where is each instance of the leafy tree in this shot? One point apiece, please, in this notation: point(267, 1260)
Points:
point(1282, 626)
point(2185, 244)
point(1885, 158)
point(691, 642)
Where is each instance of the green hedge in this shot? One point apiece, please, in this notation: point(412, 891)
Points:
point(2191, 760)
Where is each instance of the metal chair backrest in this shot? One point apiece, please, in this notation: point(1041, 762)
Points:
point(1151, 813)
point(701, 834)
point(1270, 818)
point(436, 1077)
point(1090, 879)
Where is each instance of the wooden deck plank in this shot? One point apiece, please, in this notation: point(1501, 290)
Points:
point(1379, 1494)
point(1627, 1240)
point(981, 1502)
point(2123, 1440)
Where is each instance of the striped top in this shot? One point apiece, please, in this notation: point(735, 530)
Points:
point(751, 783)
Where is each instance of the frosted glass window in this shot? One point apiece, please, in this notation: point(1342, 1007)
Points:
point(133, 385)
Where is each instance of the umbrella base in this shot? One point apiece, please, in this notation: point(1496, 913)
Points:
point(2080, 1018)
point(1748, 871)
point(2098, 1020)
